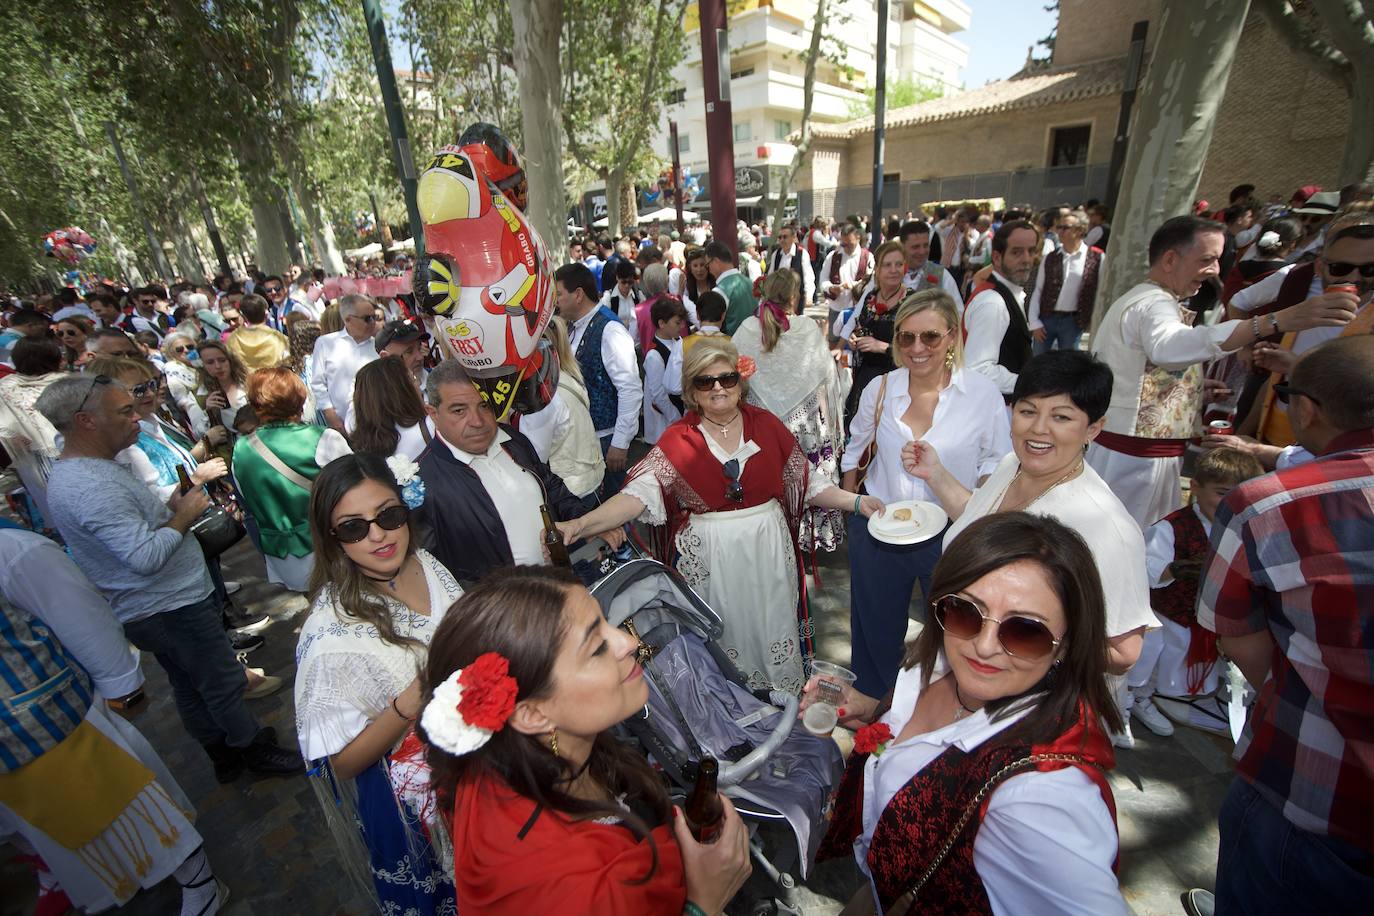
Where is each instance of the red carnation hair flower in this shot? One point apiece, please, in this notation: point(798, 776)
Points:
point(488, 692)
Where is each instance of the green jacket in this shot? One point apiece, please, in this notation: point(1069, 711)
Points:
point(739, 296)
point(281, 508)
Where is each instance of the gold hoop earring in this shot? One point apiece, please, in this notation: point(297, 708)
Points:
point(553, 742)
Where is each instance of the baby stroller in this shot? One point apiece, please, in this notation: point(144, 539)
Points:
point(699, 704)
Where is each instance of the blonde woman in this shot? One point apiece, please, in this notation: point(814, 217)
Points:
point(797, 382)
point(563, 433)
point(928, 396)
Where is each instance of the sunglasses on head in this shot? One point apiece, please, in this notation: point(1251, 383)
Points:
point(353, 530)
point(735, 491)
point(97, 382)
point(929, 338)
point(727, 381)
point(1283, 391)
point(1345, 268)
point(1020, 637)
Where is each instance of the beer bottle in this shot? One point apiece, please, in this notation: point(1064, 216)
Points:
point(553, 540)
point(704, 813)
point(183, 482)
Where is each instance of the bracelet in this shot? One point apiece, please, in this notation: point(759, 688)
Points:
point(397, 710)
point(857, 499)
point(1274, 322)
point(1254, 327)
point(691, 909)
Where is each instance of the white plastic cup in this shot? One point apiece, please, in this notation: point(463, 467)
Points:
point(833, 683)
point(820, 719)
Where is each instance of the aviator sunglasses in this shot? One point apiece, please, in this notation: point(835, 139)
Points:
point(353, 530)
point(727, 381)
point(1021, 637)
point(928, 338)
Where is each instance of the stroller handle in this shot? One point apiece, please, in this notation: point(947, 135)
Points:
point(732, 774)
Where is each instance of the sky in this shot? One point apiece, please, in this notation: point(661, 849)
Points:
point(998, 36)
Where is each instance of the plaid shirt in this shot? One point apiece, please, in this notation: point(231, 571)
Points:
point(1293, 555)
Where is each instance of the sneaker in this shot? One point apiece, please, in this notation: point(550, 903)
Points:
point(1206, 713)
point(228, 761)
point(1154, 720)
point(243, 643)
point(232, 586)
point(244, 621)
point(1124, 739)
point(1198, 902)
point(261, 684)
point(264, 758)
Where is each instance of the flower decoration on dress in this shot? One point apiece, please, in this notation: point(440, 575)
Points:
point(758, 287)
point(407, 475)
point(747, 367)
point(872, 739)
point(932, 280)
point(471, 705)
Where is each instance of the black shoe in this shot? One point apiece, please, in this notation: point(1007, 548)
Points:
point(242, 621)
point(243, 643)
point(264, 758)
point(228, 761)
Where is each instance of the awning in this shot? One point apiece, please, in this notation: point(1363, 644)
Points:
point(748, 201)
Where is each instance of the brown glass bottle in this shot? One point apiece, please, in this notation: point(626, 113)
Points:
point(704, 813)
point(183, 481)
point(553, 540)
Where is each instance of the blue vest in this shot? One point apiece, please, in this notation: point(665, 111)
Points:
point(603, 399)
point(44, 695)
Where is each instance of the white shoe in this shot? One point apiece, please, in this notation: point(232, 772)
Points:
point(1154, 720)
point(1124, 739)
point(261, 684)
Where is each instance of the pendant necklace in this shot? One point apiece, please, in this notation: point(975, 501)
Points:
point(390, 582)
point(962, 710)
point(725, 430)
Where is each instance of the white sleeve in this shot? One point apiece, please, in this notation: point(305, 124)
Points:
point(1033, 307)
point(331, 446)
point(646, 489)
point(1168, 342)
point(1261, 293)
point(1053, 823)
point(655, 396)
point(986, 320)
point(46, 583)
point(618, 356)
point(137, 461)
point(998, 445)
point(676, 282)
point(1159, 553)
point(808, 280)
point(331, 690)
point(319, 378)
point(948, 285)
point(691, 308)
point(672, 373)
point(539, 428)
point(863, 427)
point(753, 269)
point(824, 278)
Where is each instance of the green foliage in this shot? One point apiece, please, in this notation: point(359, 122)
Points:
point(900, 94)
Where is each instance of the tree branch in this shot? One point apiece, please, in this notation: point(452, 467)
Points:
point(1348, 24)
point(1292, 31)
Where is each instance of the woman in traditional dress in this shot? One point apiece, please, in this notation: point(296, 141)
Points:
point(26, 434)
point(273, 469)
point(796, 381)
point(727, 484)
point(376, 599)
point(869, 329)
point(550, 812)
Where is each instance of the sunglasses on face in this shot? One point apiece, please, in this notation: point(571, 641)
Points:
point(929, 338)
point(353, 530)
point(1283, 391)
point(735, 491)
point(143, 389)
point(370, 319)
point(69, 332)
point(1344, 268)
point(271, 290)
point(180, 350)
point(1020, 637)
point(705, 383)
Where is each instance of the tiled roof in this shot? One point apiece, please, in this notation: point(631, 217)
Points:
point(1026, 90)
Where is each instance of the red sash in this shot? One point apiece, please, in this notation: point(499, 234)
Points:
point(1139, 447)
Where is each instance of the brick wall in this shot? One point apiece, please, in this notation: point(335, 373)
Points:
point(1097, 29)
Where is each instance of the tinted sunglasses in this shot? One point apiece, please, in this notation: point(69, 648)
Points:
point(727, 381)
point(1344, 268)
point(735, 491)
point(1283, 391)
point(370, 319)
point(69, 332)
point(929, 338)
point(271, 290)
point(1021, 637)
point(143, 389)
point(95, 383)
point(353, 530)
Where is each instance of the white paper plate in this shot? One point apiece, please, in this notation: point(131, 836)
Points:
point(927, 520)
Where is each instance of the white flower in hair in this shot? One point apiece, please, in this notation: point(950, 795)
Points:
point(471, 705)
point(407, 475)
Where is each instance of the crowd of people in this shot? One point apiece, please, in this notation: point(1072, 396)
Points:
point(1121, 522)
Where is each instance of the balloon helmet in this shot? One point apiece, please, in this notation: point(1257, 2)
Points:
point(496, 156)
point(486, 279)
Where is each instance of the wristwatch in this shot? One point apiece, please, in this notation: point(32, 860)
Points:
point(130, 701)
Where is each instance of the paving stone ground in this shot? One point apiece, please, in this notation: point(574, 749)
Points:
point(267, 839)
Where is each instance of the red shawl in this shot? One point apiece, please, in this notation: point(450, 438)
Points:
point(693, 481)
point(507, 861)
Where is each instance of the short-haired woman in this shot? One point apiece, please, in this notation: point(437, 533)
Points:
point(982, 787)
point(273, 470)
point(550, 812)
point(389, 415)
point(796, 381)
point(376, 600)
point(930, 396)
point(726, 486)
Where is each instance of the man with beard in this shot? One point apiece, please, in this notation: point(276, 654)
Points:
point(997, 339)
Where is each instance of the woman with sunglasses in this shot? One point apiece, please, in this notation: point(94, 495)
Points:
point(72, 332)
point(980, 786)
point(930, 396)
point(182, 370)
point(725, 486)
point(273, 469)
point(796, 380)
point(376, 601)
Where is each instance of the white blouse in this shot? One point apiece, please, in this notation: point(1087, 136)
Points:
point(970, 431)
point(1038, 824)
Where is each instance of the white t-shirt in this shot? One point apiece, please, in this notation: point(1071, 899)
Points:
point(1087, 505)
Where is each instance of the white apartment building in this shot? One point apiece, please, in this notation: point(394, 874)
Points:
point(768, 42)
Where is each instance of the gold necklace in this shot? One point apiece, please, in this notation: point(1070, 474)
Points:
point(1002, 508)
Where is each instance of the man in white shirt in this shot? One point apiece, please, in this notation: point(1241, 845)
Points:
point(339, 356)
point(997, 340)
point(790, 255)
point(844, 272)
point(1067, 280)
point(606, 355)
point(915, 236)
point(623, 295)
point(1156, 357)
point(1099, 230)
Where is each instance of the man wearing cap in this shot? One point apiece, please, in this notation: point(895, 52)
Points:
point(1315, 213)
point(339, 356)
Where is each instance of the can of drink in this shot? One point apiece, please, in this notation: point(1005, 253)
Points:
point(1221, 428)
point(1350, 288)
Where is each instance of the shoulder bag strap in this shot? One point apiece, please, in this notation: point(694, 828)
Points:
point(266, 454)
point(871, 452)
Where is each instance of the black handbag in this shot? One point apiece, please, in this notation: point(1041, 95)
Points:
point(220, 527)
